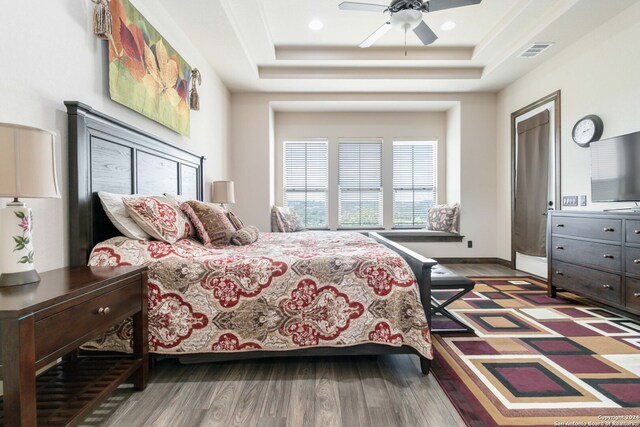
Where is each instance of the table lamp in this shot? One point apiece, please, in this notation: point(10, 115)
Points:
point(27, 169)
point(222, 192)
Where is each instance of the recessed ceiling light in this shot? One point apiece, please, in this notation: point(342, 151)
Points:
point(448, 26)
point(316, 24)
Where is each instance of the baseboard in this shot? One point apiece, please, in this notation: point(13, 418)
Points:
point(499, 261)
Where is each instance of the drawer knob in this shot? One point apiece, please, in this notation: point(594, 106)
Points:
point(608, 229)
point(636, 295)
point(104, 310)
point(559, 225)
point(636, 261)
point(559, 273)
point(636, 231)
point(607, 256)
point(560, 247)
point(606, 286)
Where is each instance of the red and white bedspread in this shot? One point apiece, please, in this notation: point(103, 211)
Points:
point(286, 291)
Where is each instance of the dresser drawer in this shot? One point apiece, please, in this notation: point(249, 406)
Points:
point(633, 261)
point(597, 255)
point(599, 285)
point(633, 231)
point(633, 294)
point(96, 314)
point(590, 228)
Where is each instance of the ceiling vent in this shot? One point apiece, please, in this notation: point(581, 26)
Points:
point(535, 49)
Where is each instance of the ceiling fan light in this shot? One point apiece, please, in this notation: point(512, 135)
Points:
point(406, 20)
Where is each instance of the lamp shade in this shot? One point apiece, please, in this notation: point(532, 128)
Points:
point(222, 192)
point(28, 163)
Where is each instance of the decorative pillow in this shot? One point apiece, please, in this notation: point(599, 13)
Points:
point(177, 200)
point(159, 217)
point(117, 213)
point(285, 219)
point(210, 221)
point(443, 218)
point(245, 236)
point(237, 223)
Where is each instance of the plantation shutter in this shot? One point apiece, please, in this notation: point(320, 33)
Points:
point(306, 181)
point(414, 181)
point(360, 184)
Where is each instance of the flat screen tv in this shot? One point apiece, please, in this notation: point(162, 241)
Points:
point(615, 169)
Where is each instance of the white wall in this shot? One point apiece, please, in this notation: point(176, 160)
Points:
point(384, 125)
point(598, 74)
point(251, 169)
point(49, 55)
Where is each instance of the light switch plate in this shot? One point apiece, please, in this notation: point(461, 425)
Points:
point(583, 200)
point(569, 200)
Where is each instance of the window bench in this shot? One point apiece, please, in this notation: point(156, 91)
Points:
point(420, 236)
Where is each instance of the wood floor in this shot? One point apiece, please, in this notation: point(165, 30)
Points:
point(383, 391)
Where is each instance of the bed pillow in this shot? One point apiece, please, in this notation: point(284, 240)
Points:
point(443, 218)
point(159, 217)
point(117, 212)
point(245, 236)
point(285, 220)
point(211, 222)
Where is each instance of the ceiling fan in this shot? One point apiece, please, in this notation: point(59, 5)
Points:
point(405, 15)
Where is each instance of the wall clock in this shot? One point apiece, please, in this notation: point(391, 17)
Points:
point(587, 129)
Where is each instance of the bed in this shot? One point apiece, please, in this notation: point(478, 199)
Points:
point(288, 294)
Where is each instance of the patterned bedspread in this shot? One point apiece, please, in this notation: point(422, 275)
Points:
point(286, 291)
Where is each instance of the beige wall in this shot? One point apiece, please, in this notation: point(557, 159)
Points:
point(251, 168)
point(598, 74)
point(384, 125)
point(50, 55)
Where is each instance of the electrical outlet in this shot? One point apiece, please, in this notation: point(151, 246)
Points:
point(583, 200)
point(569, 200)
point(470, 244)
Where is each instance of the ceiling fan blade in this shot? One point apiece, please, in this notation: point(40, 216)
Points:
point(435, 5)
point(376, 35)
point(363, 7)
point(425, 34)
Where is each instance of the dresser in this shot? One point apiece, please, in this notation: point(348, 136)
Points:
point(596, 255)
point(40, 323)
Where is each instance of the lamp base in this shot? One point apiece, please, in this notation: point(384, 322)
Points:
point(17, 279)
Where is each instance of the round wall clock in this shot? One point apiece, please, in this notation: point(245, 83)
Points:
point(587, 129)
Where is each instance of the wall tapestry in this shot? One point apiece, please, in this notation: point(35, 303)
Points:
point(145, 73)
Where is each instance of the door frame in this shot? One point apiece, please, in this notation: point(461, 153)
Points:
point(555, 99)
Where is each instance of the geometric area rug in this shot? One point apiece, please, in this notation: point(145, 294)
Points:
point(538, 361)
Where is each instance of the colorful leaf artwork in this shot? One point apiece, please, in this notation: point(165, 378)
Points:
point(145, 73)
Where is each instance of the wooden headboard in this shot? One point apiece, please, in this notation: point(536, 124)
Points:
point(106, 154)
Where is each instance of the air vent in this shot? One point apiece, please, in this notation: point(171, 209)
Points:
point(535, 49)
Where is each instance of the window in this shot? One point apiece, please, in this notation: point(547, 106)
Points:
point(360, 184)
point(414, 181)
point(306, 182)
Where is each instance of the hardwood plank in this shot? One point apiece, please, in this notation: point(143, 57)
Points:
point(327, 406)
point(353, 403)
point(303, 386)
point(225, 400)
point(278, 392)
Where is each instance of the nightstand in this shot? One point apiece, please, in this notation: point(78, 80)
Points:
point(41, 322)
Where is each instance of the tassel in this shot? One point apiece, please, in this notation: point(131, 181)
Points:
point(194, 98)
point(102, 19)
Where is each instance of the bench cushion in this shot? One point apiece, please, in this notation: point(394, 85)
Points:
point(442, 277)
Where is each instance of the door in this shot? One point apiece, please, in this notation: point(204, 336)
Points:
point(535, 131)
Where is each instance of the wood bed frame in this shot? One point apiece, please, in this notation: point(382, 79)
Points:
point(106, 154)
